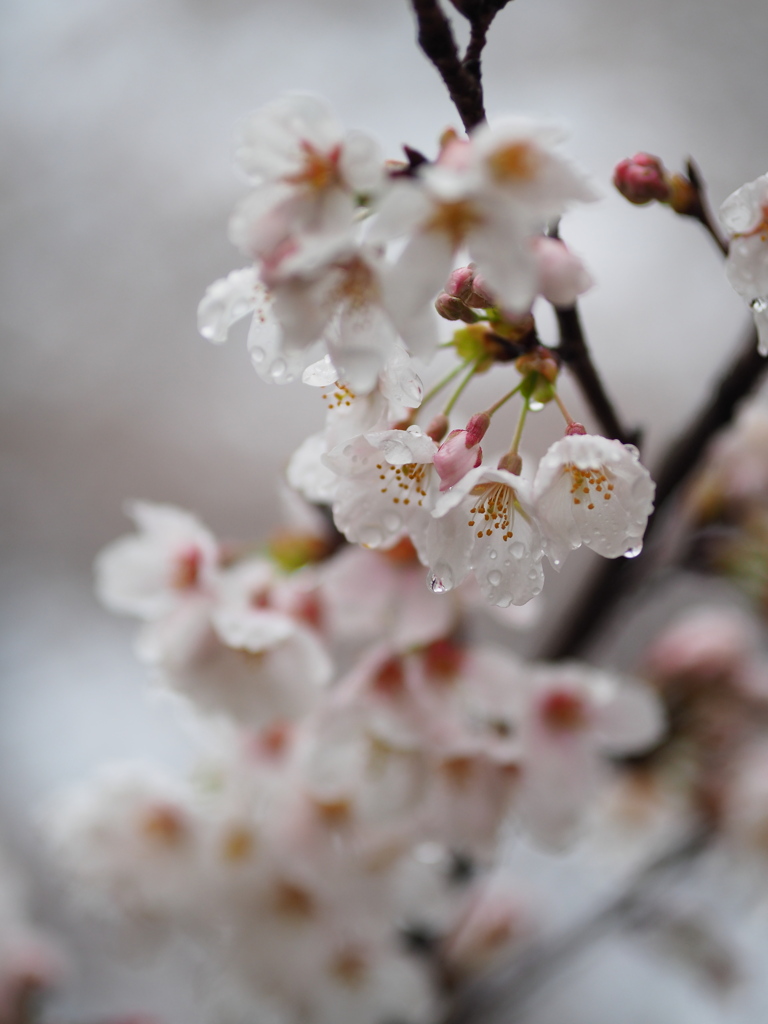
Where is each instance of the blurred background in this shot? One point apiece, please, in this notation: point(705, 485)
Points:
point(117, 181)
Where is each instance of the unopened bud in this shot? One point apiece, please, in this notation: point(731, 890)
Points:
point(481, 295)
point(642, 179)
point(460, 283)
point(575, 428)
point(512, 463)
point(438, 428)
point(455, 457)
point(452, 308)
point(476, 428)
point(540, 361)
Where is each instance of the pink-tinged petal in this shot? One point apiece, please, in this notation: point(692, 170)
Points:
point(562, 276)
point(630, 721)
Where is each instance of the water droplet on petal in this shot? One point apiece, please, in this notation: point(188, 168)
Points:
point(517, 550)
point(759, 305)
point(634, 550)
point(441, 579)
point(534, 406)
point(392, 522)
point(492, 554)
point(533, 575)
point(257, 355)
point(494, 577)
point(371, 536)
point(278, 369)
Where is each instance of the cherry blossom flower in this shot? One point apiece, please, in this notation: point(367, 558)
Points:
point(575, 716)
point(745, 216)
point(307, 171)
point(387, 487)
point(486, 523)
point(490, 194)
point(173, 560)
point(594, 491)
point(239, 656)
point(561, 275)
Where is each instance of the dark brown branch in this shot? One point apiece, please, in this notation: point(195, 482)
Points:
point(513, 987)
point(700, 210)
point(436, 40)
point(575, 354)
point(617, 576)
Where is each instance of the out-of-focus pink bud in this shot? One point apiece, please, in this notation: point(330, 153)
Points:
point(452, 308)
point(562, 275)
point(460, 283)
point(455, 457)
point(575, 428)
point(642, 179)
point(481, 295)
point(438, 427)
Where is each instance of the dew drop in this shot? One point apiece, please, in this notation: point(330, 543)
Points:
point(371, 536)
point(534, 406)
point(492, 555)
point(278, 369)
point(494, 577)
point(634, 550)
point(441, 579)
point(257, 355)
point(759, 305)
point(517, 550)
point(533, 575)
point(392, 522)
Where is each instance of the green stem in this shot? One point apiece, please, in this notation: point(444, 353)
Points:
point(519, 430)
point(497, 405)
point(455, 396)
point(566, 415)
point(443, 383)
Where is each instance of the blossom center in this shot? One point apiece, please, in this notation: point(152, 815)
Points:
point(455, 220)
point(494, 511)
point(186, 569)
point(319, 171)
point(564, 711)
point(408, 482)
point(584, 481)
point(518, 161)
point(760, 229)
point(340, 396)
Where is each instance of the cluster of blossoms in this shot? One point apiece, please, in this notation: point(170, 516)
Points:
point(351, 255)
point(366, 761)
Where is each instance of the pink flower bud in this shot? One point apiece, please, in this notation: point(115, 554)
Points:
point(437, 428)
point(480, 296)
point(452, 308)
point(562, 275)
point(575, 428)
point(455, 457)
point(642, 179)
point(476, 428)
point(460, 283)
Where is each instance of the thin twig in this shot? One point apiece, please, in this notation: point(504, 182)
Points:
point(702, 212)
point(436, 40)
point(514, 986)
point(574, 352)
